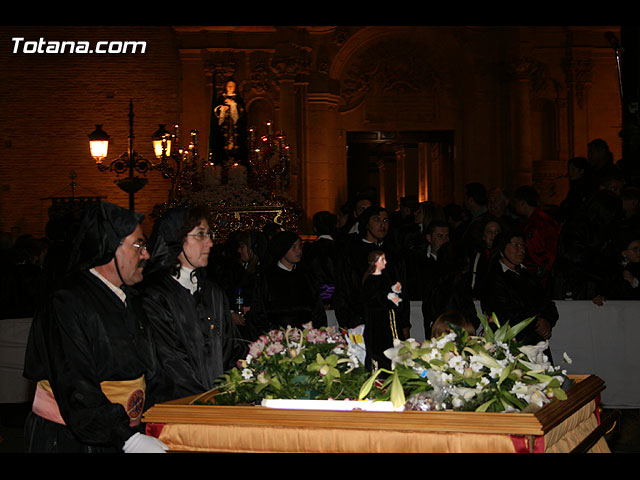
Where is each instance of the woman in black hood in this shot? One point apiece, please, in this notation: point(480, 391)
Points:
point(189, 315)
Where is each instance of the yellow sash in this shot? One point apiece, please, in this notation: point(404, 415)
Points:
point(128, 393)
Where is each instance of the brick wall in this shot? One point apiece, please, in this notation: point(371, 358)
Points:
point(49, 103)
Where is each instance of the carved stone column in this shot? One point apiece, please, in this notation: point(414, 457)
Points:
point(578, 71)
point(522, 171)
point(290, 63)
point(324, 171)
point(401, 156)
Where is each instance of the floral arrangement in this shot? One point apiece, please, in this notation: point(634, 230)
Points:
point(297, 363)
point(491, 373)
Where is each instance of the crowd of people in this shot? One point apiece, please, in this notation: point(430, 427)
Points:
point(134, 322)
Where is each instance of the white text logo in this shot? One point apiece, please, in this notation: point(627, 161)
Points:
point(67, 46)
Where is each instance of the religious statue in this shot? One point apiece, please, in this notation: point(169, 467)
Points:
point(230, 137)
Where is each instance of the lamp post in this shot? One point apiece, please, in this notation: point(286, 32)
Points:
point(129, 162)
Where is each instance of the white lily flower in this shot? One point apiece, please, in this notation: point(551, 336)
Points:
point(464, 392)
point(476, 366)
point(538, 399)
point(566, 358)
point(535, 353)
point(457, 363)
point(441, 342)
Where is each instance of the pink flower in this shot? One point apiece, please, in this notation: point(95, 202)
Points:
point(293, 334)
point(316, 336)
point(256, 348)
point(273, 348)
point(276, 335)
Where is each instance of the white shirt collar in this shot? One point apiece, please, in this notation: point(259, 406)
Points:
point(372, 243)
point(118, 291)
point(184, 278)
point(505, 268)
point(284, 267)
point(328, 237)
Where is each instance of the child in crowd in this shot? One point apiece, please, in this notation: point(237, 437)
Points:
point(382, 295)
point(441, 327)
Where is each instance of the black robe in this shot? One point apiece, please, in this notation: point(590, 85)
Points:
point(514, 297)
point(352, 264)
point(193, 335)
point(287, 298)
point(618, 288)
point(321, 257)
point(85, 335)
point(382, 320)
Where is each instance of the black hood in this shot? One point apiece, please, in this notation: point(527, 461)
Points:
point(101, 230)
point(165, 243)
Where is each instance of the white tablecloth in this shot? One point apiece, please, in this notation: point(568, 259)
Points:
point(14, 388)
point(602, 341)
point(599, 340)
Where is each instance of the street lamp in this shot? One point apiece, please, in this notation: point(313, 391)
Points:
point(129, 162)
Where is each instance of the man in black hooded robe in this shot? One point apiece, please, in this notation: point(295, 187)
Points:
point(189, 317)
point(88, 350)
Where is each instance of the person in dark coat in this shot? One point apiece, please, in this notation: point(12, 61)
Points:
point(287, 294)
point(353, 263)
point(623, 282)
point(421, 262)
point(480, 256)
point(586, 252)
point(515, 294)
point(189, 315)
point(320, 256)
point(541, 232)
point(88, 349)
point(381, 299)
point(24, 283)
point(448, 288)
point(242, 278)
point(580, 189)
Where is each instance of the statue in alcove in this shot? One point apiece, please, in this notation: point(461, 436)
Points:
point(229, 128)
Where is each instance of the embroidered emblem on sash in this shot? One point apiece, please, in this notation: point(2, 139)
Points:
point(135, 404)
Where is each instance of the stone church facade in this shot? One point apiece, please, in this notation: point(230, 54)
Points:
point(407, 110)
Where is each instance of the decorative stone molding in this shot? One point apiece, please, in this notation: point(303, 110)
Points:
point(390, 73)
point(578, 72)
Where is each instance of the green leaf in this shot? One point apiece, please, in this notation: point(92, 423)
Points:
point(559, 393)
point(540, 376)
point(501, 333)
point(488, 332)
point(397, 392)
point(513, 400)
point(368, 385)
point(485, 405)
point(516, 329)
point(505, 373)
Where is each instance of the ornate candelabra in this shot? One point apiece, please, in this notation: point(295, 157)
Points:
point(269, 158)
point(185, 160)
